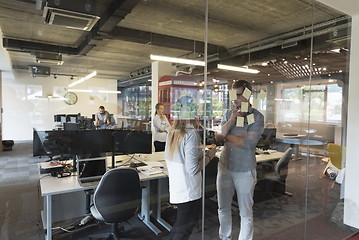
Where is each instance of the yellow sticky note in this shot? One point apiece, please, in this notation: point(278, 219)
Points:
point(247, 93)
point(244, 107)
point(262, 94)
point(240, 122)
point(232, 95)
point(255, 103)
point(250, 119)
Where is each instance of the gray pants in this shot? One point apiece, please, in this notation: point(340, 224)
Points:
point(243, 183)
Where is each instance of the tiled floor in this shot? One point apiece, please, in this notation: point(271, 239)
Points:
point(21, 204)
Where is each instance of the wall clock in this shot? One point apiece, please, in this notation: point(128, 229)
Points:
point(70, 98)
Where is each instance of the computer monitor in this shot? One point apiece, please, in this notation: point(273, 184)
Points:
point(127, 141)
point(92, 142)
point(57, 143)
point(267, 139)
point(139, 142)
point(71, 126)
point(72, 118)
point(60, 118)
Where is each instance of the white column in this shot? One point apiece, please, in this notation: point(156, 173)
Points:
point(351, 190)
point(159, 69)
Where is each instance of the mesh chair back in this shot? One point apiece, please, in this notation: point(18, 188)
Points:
point(281, 167)
point(118, 195)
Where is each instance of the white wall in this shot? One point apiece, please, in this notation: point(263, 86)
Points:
point(351, 191)
point(23, 111)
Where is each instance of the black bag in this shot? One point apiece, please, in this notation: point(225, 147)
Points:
point(7, 145)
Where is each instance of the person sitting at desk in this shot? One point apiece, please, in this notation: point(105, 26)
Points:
point(102, 118)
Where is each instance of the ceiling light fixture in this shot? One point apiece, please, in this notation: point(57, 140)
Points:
point(176, 60)
point(108, 91)
point(80, 90)
point(83, 79)
point(238, 69)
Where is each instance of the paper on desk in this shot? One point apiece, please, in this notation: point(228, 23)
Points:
point(255, 103)
point(147, 170)
point(262, 94)
point(240, 122)
point(232, 95)
point(154, 164)
point(250, 119)
point(246, 93)
point(244, 107)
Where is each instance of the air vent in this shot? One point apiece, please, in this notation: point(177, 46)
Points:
point(79, 14)
point(50, 58)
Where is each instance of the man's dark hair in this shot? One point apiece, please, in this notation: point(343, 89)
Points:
point(241, 83)
point(101, 107)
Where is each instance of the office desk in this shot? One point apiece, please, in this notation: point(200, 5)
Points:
point(272, 156)
point(51, 186)
point(296, 142)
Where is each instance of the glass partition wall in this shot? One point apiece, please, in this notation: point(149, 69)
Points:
point(301, 52)
point(294, 57)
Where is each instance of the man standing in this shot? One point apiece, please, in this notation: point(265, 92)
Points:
point(241, 130)
point(102, 118)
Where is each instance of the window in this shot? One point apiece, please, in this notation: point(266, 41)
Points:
point(325, 104)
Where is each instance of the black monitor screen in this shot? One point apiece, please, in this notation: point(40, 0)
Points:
point(128, 142)
point(267, 139)
point(60, 118)
point(71, 126)
point(56, 142)
point(119, 141)
point(92, 142)
point(139, 142)
point(91, 168)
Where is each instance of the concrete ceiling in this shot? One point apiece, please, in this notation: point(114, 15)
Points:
point(240, 33)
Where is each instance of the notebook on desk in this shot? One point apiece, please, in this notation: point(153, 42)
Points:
point(90, 171)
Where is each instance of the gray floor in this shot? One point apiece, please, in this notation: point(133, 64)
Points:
point(21, 204)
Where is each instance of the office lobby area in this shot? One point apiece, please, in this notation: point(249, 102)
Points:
point(119, 116)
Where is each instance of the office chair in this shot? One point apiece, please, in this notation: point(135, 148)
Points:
point(116, 199)
point(274, 183)
point(335, 163)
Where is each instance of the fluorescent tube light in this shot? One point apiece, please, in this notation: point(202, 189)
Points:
point(108, 91)
point(83, 79)
point(176, 60)
point(238, 69)
point(80, 90)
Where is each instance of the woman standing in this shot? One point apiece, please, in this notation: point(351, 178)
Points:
point(184, 171)
point(161, 125)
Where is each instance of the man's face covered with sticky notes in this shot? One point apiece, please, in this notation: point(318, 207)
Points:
point(240, 98)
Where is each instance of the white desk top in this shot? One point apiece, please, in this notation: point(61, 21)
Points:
point(52, 185)
point(273, 155)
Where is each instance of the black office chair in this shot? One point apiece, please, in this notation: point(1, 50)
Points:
point(116, 199)
point(274, 183)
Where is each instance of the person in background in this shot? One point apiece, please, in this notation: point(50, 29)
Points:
point(102, 118)
point(237, 164)
point(184, 162)
point(161, 125)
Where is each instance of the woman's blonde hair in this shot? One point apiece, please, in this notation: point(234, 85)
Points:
point(176, 134)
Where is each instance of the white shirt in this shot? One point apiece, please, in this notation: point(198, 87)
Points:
point(184, 180)
point(160, 124)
